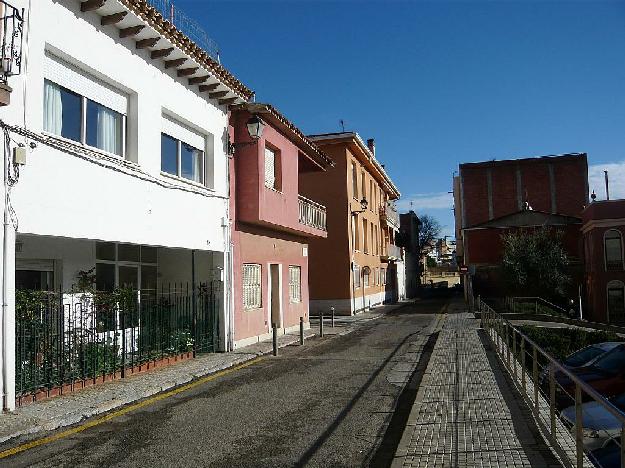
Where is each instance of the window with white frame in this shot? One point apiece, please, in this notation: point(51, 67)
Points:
point(356, 276)
point(252, 289)
point(182, 151)
point(295, 283)
point(79, 107)
point(272, 168)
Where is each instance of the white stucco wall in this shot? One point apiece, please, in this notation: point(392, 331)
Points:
point(60, 194)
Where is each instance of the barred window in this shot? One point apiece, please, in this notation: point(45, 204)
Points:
point(295, 283)
point(272, 169)
point(252, 297)
point(356, 276)
point(366, 279)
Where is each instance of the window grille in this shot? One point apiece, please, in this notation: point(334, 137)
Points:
point(366, 280)
point(383, 275)
point(295, 283)
point(270, 168)
point(356, 276)
point(252, 297)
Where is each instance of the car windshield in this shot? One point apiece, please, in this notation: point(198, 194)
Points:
point(612, 361)
point(583, 356)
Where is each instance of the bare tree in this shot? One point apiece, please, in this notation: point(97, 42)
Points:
point(429, 230)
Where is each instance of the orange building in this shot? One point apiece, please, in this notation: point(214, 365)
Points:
point(359, 264)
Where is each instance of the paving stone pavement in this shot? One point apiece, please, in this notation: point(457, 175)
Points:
point(464, 415)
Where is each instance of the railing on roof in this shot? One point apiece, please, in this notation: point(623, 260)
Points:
point(186, 25)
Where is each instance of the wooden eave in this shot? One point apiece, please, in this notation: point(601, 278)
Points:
point(137, 20)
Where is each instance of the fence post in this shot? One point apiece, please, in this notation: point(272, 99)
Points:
point(321, 323)
point(275, 339)
point(301, 331)
point(193, 304)
point(514, 354)
point(523, 383)
point(122, 319)
point(535, 377)
point(552, 399)
point(579, 427)
point(332, 310)
point(508, 345)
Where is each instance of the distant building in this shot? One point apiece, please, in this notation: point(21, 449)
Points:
point(409, 226)
point(359, 264)
point(603, 231)
point(495, 197)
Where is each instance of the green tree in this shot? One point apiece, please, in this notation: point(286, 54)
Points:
point(535, 263)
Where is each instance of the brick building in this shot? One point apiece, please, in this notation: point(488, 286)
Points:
point(495, 197)
point(603, 231)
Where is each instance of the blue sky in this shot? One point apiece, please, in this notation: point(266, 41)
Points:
point(438, 83)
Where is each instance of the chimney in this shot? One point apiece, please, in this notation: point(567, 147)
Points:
point(371, 145)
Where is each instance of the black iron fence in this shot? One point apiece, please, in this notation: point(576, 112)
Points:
point(11, 29)
point(64, 338)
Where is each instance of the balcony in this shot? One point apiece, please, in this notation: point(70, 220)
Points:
point(389, 214)
point(311, 214)
point(392, 253)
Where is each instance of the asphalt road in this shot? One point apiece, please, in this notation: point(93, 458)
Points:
point(328, 403)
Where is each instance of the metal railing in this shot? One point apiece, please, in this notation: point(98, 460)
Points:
point(67, 338)
point(554, 393)
point(187, 26)
point(389, 213)
point(12, 24)
point(311, 213)
point(534, 305)
point(393, 252)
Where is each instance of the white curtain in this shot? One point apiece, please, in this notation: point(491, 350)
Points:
point(52, 108)
point(197, 166)
point(270, 168)
point(109, 136)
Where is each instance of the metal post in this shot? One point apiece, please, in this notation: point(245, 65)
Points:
point(579, 426)
point(275, 339)
point(514, 354)
point(508, 345)
point(332, 311)
point(523, 383)
point(552, 398)
point(535, 377)
point(193, 304)
point(321, 323)
point(301, 331)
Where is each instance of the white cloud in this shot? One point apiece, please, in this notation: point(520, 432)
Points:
point(426, 201)
point(616, 175)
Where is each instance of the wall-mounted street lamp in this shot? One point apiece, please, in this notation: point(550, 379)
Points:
point(363, 206)
point(255, 127)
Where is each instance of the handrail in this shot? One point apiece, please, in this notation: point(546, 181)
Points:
point(494, 323)
point(514, 299)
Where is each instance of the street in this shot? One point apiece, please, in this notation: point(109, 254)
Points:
point(329, 403)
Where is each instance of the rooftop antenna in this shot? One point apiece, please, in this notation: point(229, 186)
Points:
point(342, 122)
point(607, 186)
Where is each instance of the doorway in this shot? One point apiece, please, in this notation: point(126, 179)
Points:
point(275, 294)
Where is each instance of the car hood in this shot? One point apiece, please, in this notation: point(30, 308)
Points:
point(594, 416)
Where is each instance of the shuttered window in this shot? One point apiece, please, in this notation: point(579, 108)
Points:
point(295, 283)
point(270, 168)
point(252, 297)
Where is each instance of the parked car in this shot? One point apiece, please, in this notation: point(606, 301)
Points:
point(608, 456)
point(600, 425)
point(583, 357)
point(606, 375)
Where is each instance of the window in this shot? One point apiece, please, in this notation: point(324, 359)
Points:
point(372, 242)
point(295, 283)
point(75, 117)
point(616, 302)
point(272, 165)
point(383, 275)
point(181, 159)
point(363, 184)
point(365, 277)
point(354, 181)
point(372, 195)
point(364, 236)
point(377, 243)
point(252, 298)
point(356, 276)
point(356, 242)
point(613, 250)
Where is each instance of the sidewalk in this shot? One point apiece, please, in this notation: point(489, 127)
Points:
point(465, 413)
point(66, 410)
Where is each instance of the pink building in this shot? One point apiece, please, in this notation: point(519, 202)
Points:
point(271, 221)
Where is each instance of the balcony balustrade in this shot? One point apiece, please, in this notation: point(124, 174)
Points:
point(11, 28)
point(311, 214)
point(389, 213)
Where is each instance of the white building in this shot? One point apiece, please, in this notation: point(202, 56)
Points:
point(126, 129)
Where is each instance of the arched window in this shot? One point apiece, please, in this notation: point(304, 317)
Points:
point(613, 246)
point(616, 302)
